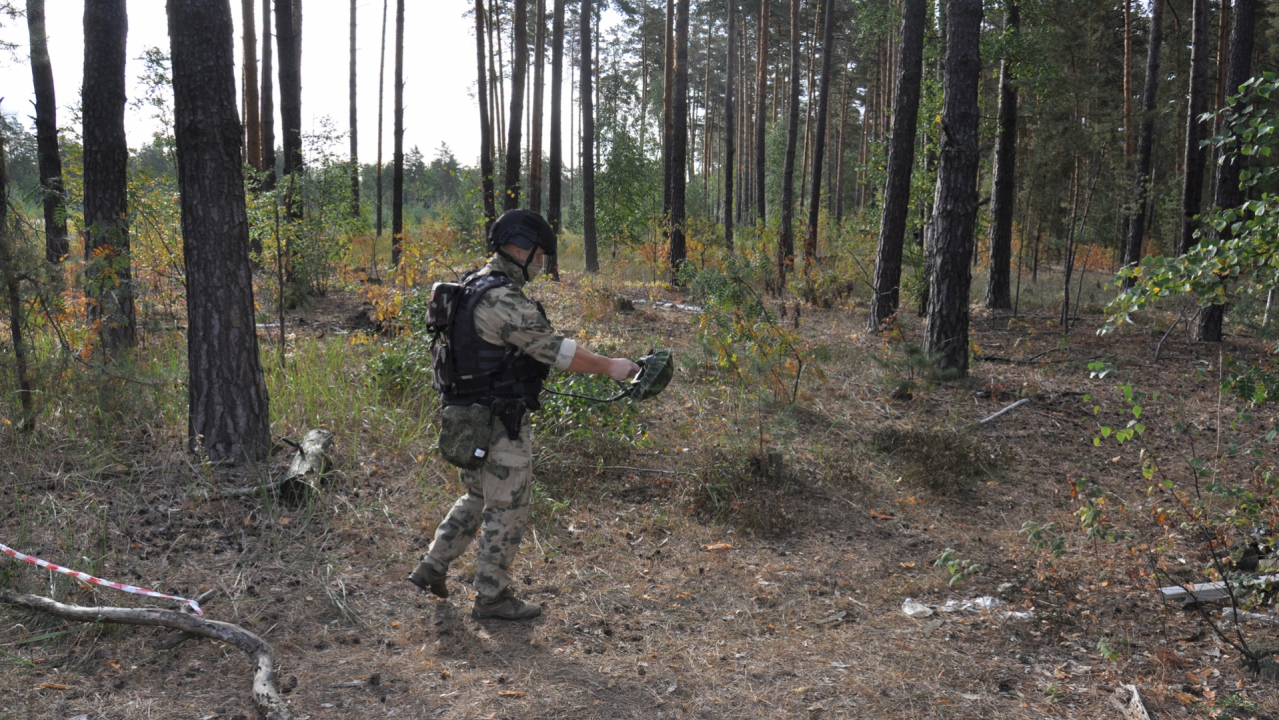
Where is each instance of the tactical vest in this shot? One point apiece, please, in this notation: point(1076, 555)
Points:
point(469, 370)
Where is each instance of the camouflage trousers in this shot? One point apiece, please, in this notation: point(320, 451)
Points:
point(495, 504)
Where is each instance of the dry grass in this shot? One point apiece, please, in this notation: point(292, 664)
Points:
point(800, 618)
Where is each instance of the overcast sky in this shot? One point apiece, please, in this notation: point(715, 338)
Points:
point(439, 74)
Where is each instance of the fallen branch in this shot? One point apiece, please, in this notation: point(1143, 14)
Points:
point(1014, 406)
point(654, 471)
point(1014, 361)
point(312, 460)
point(265, 694)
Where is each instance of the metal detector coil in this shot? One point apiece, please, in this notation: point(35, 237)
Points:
point(656, 370)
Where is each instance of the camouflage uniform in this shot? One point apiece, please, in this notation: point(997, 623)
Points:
point(497, 495)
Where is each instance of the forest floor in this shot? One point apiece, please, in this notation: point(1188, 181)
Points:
point(693, 576)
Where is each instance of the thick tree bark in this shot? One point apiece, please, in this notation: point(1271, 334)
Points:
point(1228, 192)
point(955, 205)
point(556, 158)
point(486, 127)
point(819, 137)
point(290, 88)
point(381, 103)
point(13, 297)
point(1004, 189)
point(56, 244)
point(901, 162)
point(1196, 105)
point(252, 121)
point(535, 142)
point(786, 238)
point(355, 146)
point(679, 139)
point(1145, 141)
point(730, 129)
point(106, 157)
point(397, 173)
point(668, 112)
point(761, 95)
point(511, 192)
point(267, 117)
point(229, 417)
point(588, 141)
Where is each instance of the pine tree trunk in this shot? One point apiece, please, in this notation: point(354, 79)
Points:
point(486, 127)
point(1197, 104)
point(955, 206)
point(109, 277)
point(53, 196)
point(228, 413)
point(1145, 141)
point(290, 89)
point(556, 158)
point(381, 103)
point(267, 116)
point(730, 128)
point(679, 139)
point(355, 147)
point(846, 106)
point(786, 238)
point(1228, 192)
point(819, 137)
point(806, 160)
point(1128, 146)
point(13, 288)
point(511, 193)
point(1004, 186)
point(588, 141)
point(252, 121)
point(535, 142)
point(761, 96)
point(668, 114)
point(901, 161)
point(397, 140)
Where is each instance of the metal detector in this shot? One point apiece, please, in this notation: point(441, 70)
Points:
point(656, 370)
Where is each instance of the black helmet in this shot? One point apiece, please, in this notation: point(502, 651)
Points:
point(522, 228)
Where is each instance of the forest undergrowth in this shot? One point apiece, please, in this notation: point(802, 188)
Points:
point(741, 546)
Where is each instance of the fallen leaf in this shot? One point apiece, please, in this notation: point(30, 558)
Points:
point(1186, 698)
point(510, 693)
point(879, 515)
point(718, 546)
point(52, 686)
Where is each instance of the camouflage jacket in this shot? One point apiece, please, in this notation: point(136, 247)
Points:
point(505, 316)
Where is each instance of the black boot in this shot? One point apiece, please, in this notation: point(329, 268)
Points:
point(430, 581)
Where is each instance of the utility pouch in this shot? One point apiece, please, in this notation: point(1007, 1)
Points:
point(464, 435)
point(442, 305)
point(511, 412)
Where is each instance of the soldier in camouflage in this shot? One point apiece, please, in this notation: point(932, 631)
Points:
point(514, 328)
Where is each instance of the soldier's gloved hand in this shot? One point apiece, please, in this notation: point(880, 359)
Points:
point(621, 369)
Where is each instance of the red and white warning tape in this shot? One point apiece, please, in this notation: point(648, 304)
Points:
point(97, 581)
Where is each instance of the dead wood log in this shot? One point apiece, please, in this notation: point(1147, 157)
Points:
point(265, 694)
point(312, 460)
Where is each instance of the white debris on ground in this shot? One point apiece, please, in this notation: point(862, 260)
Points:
point(917, 610)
